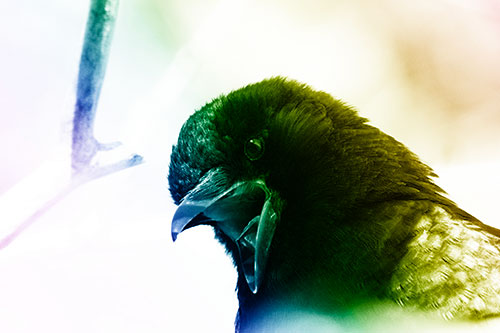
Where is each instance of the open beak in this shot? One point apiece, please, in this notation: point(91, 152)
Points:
point(244, 212)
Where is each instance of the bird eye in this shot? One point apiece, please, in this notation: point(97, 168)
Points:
point(254, 148)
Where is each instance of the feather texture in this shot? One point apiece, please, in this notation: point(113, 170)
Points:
point(451, 265)
point(361, 221)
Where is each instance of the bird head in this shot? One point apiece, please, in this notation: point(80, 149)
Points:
point(280, 170)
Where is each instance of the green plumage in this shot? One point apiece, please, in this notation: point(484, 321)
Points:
point(360, 219)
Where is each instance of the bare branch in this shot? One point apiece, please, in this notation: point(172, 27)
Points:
point(95, 54)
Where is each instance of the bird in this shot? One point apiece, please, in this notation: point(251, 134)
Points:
point(325, 215)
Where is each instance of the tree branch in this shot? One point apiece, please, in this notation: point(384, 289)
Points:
point(84, 163)
point(95, 54)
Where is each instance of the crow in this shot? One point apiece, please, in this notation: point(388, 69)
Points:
point(324, 213)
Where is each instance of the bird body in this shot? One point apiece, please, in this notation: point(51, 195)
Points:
point(326, 214)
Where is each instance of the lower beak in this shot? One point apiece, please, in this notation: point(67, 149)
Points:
point(244, 212)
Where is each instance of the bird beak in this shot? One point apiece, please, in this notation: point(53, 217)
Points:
point(244, 212)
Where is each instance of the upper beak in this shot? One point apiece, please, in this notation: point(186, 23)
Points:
point(244, 212)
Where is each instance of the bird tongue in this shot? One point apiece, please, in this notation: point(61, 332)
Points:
point(253, 245)
point(234, 214)
point(237, 209)
point(246, 243)
point(244, 213)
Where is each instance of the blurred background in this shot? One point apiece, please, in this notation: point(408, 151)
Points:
point(101, 260)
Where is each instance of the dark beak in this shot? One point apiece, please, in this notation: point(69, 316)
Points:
point(244, 212)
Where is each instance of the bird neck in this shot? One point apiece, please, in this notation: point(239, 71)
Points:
point(356, 271)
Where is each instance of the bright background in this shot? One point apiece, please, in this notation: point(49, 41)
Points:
point(101, 260)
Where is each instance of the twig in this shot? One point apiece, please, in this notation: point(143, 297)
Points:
point(95, 53)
